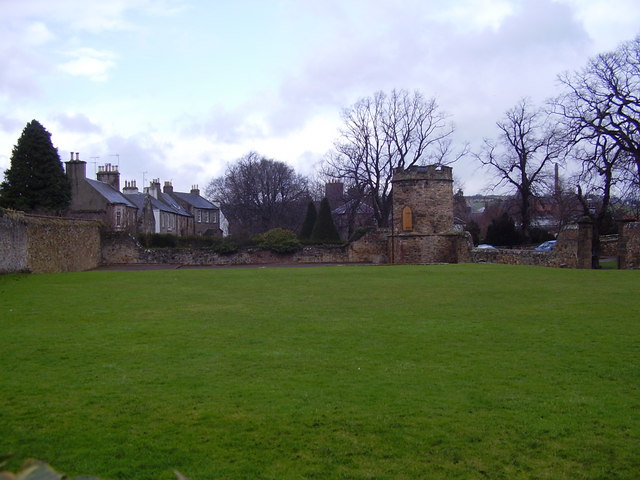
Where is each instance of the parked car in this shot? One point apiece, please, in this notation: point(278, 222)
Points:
point(485, 246)
point(546, 246)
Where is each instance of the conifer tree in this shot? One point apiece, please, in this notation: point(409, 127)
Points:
point(309, 222)
point(36, 180)
point(324, 230)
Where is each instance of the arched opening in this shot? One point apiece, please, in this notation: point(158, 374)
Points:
point(407, 219)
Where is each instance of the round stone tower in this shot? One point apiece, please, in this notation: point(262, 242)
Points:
point(423, 215)
point(423, 200)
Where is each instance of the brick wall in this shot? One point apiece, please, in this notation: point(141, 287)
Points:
point(47, 244)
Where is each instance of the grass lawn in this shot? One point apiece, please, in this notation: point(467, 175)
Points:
point(380, 372)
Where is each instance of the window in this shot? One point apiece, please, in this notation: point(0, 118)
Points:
point(206, 216)
point(199, 215)
point(407, 219)
point(118, 217)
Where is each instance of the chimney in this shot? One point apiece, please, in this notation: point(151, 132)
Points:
point(130, 187)
point(76, 169)
point(109, 174)
point(334, 191)
point(195, 190)
point(168, 188)
point(154, 188)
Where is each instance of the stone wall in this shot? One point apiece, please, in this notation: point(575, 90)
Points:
point(13, 242)
point(124, 249)
point(37, 244)
point(450, 247)
point(609, 245)
point(629, 246)
point(568, 253)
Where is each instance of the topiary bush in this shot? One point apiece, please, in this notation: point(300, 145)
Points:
point(278, 240)
point(309, 222)
point(324, 230)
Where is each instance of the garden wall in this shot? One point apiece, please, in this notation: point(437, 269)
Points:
point(629, 246)
point(30, 243)
point(430, 248)
point(568, 253)
point(124, 249)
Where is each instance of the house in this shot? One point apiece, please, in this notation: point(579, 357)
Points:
point(348, 212)
point(99, 199)
point(151, 211)
point(157, 212)
point(208, 219)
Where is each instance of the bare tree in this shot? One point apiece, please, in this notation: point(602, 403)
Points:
point(601, 160)
point(522, 155)
point(257, 194)
point(382, 133)
point(603, 100)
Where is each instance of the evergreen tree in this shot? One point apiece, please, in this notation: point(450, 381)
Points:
point(502, 231)
point(324, 230)
point(309, 222)
point(36, 180)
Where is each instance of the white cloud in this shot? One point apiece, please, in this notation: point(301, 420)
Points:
point(89, 62)
point(37, 34)
point(473, 14)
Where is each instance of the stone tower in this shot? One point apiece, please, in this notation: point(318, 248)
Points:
point(423, 200)
point(422, 225)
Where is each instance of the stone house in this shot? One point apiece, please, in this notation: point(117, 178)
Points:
point(150, 211)
point(99, 199)
point(157, 212)
point(207, 217)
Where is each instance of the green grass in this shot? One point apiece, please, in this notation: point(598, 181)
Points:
point(459, 371)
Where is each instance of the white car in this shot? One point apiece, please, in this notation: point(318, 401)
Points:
point(485, 246)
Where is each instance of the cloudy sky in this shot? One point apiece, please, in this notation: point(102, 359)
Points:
point(176, 89)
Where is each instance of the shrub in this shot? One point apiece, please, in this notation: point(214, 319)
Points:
point(309, 222)
point(324, 230)
point(196, 241)
point(278, 240)
point(158, 240)
point(539, 235)
point(359, 233)
point(502, 231)
point(225, 246)
point(474, 229)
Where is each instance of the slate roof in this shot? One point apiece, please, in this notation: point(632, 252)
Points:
point(109, 193)
point(173, 204)
point(363, 208)
point(195, 200)
point(138, 200)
